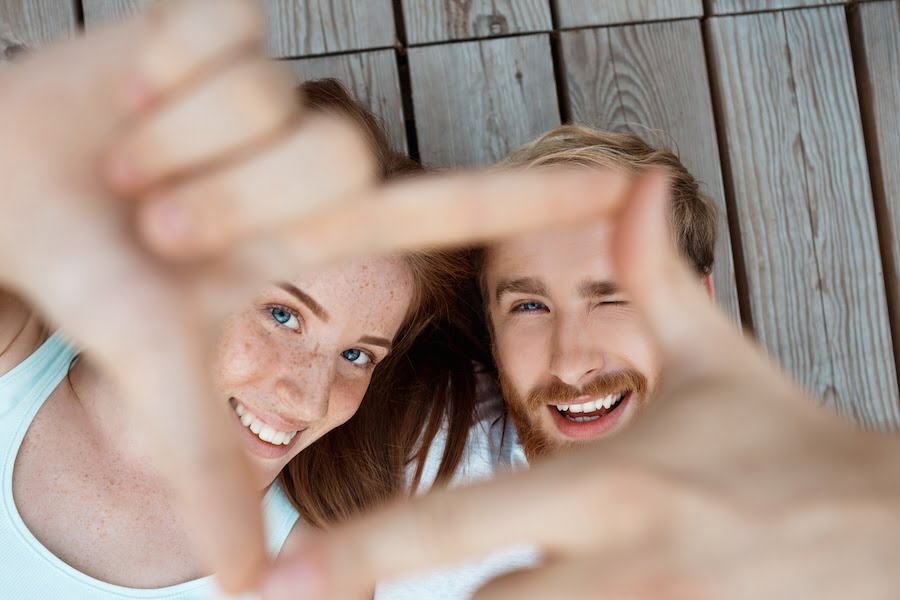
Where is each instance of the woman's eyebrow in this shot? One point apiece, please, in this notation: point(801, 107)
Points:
point(306, 299)
point(377, 341)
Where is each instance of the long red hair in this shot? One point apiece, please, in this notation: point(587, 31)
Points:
point(426, 381)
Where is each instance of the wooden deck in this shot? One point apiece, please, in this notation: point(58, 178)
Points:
point(787, 110)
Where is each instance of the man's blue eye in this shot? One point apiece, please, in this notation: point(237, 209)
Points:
point(285, 317)
point(356, 356)
point(529, 306)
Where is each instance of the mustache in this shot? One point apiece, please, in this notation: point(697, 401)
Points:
point(558, 392)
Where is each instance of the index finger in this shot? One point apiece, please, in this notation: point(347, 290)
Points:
point(454, 209)
point(451, 525)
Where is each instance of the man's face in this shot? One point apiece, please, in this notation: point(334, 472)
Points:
point(575, 363)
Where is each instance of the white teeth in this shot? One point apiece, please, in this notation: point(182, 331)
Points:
point(263, 431)
point(606, 402)
point(267, 433)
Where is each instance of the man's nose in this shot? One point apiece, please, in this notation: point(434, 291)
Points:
point(574, 359)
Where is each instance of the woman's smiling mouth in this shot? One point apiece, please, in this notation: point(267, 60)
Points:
point(264, 440)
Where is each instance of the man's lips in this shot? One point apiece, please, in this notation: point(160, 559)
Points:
point(579, 424)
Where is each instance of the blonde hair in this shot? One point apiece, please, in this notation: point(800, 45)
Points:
point(693, 213)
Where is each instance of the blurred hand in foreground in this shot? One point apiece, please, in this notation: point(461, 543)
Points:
point(734, 484)
point(155, 173)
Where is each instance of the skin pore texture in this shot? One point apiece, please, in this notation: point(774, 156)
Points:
point(574, 360)
point(298, 358)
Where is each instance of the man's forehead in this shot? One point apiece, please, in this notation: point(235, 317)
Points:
point(574, 251)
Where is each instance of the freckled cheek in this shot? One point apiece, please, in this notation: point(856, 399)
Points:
point(346, 398)
point(242, 353)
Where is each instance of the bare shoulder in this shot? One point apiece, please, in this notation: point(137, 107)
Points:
point(21, 331)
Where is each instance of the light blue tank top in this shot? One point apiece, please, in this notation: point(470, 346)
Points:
point(27, 569)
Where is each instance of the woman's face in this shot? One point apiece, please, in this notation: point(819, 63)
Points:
point(296, 364)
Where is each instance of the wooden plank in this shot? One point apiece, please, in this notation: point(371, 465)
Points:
point(875, 35)
point(372, 79)
point(306, 27)
point(437, 21)
point(650, 80)
point(296, 27)
point(729, 7)
point(98, 12)
point(476, 101)
point(796, 160)
point(579, 13)
point(26, 24)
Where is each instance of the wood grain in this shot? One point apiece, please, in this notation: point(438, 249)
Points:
point(728, 7)
point(650, 80)
point(476, 101)
point(441, 20)
point(579, 13)
point(876, 39)
point(795, 154)
point(372, 79)
point(305, 27)
point(26, 24)
point(98, 12)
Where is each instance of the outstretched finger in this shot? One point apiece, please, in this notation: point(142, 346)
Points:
point(449, 526)
point(455, 209)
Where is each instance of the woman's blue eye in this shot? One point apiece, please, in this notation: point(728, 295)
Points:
point(285, 317)
point(529, 306)
point(357, 356)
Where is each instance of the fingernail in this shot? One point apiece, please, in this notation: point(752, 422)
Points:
point(167, 220)
point(298, 580)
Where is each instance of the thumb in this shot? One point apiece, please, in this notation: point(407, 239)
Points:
point(688, 329)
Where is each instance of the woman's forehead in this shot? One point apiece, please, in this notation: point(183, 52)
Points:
point(378, 288)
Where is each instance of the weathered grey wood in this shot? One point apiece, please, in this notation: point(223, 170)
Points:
point(651, 80)
point(579, 13)
point(728, 7)
point(98, 12)
point(876, 38)
point(440, 20)
point(296, 27)
point(305, 27)
point(476, 101)
point(371, 77)
point(796, 158)
point(25, 24)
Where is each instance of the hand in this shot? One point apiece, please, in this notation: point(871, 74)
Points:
point(179, 129)
point(66, 241)
point(734, 484)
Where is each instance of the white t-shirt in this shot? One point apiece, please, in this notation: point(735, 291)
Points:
point(493, 447)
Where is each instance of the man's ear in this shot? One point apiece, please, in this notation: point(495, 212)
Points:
point(709, 285)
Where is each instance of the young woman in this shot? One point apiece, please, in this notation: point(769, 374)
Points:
point(329, 389)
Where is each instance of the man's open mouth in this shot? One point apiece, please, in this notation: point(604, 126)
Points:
point(591, 410)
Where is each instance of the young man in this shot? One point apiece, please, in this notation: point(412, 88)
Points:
point(574, 362)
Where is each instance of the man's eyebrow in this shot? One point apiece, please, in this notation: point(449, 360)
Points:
point(306, 299)
point(521, 285)
point(593, 288)
point(378, 341)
